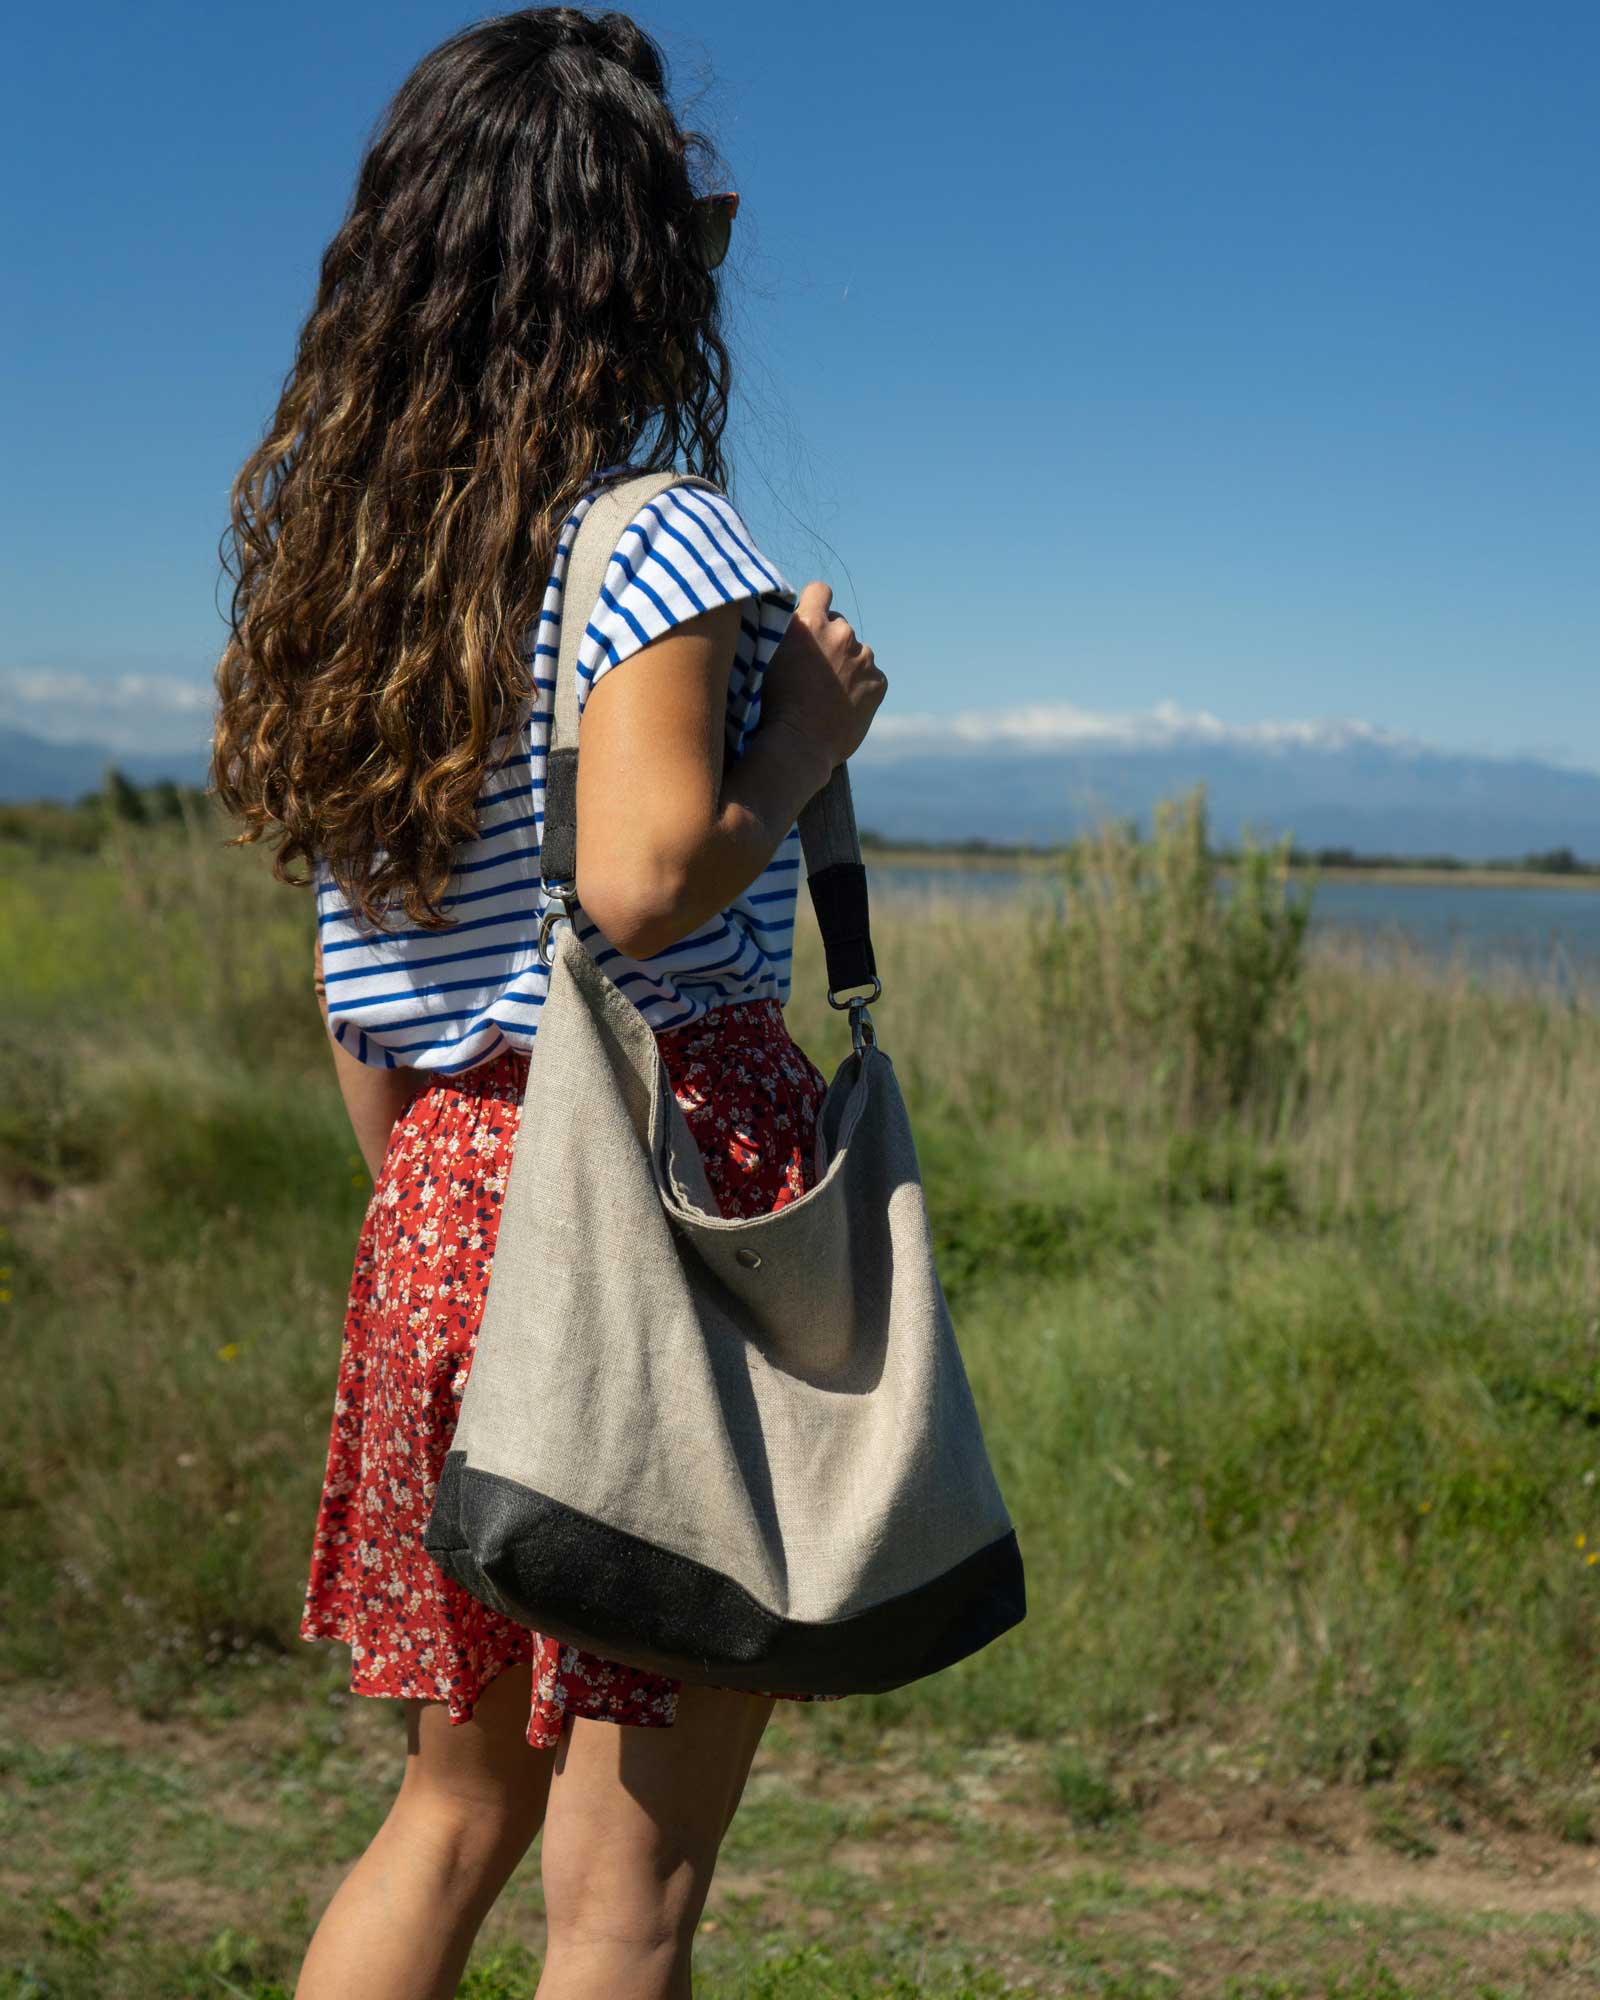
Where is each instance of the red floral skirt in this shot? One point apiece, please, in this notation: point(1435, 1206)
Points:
point(751, 1096)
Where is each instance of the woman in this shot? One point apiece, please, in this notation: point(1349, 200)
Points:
point(520, 302)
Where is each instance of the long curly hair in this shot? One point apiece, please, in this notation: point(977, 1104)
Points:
point(516, 298)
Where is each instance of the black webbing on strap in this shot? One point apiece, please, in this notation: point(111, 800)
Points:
point(839, 897)
point(558, 840)
point(838, 882)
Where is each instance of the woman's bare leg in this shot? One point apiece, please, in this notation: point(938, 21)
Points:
point(402, 1922)
point(635, 1819)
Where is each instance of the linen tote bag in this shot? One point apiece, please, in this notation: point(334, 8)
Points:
point(739, 1451)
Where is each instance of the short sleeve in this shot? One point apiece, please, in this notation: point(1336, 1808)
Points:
point(684, 552)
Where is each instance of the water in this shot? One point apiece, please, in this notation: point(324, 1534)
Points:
point(1547, 933)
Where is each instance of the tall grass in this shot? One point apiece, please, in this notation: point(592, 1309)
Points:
point(1275, 1271)
point(1160, 1011)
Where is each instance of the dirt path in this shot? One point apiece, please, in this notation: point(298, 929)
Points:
point(1198, 1882)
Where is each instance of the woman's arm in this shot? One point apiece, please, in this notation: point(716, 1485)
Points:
point(666, 836)
point(374, 1098)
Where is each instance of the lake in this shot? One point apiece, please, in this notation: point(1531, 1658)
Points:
point(1551, 933)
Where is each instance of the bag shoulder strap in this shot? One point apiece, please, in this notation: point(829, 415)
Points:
point(835, 873)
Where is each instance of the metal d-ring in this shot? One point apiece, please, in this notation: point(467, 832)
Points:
point(862, 1032)
point(859, 1001)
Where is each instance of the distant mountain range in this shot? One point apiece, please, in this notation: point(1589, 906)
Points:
point(1039, 775)
point(32, 767)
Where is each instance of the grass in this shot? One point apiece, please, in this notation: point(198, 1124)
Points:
point(1289, 1360)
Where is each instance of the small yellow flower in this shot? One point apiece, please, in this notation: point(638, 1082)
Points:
point(1591, 1559)
point(230, 1352)
point(1580, 1541)
point(358, 1180)
point(5, 1298)
point(1424, 1506)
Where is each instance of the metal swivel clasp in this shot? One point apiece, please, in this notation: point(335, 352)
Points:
point(862, 1032)
point(568, 913)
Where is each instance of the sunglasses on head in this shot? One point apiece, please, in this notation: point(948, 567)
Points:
point(716, 213)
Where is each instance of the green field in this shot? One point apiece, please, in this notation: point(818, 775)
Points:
point(1279, 1284)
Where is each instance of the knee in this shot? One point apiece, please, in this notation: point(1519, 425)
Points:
point(626, 1896)
point(463, 1839)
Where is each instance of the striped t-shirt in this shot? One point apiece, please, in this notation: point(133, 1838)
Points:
point(445, 1000)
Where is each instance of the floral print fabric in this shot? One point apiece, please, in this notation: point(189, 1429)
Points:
point(751, 1097)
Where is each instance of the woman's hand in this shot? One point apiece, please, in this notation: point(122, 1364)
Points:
point(822, 684)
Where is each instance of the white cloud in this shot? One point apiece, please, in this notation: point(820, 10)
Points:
point(138, 712)
point(1060, 726)
point(131, 712)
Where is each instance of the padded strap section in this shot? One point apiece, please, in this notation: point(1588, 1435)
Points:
point(828, 836)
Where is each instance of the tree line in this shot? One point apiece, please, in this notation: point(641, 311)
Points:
point(79, 824)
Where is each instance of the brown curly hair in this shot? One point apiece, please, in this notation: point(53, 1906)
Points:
point(516, 298)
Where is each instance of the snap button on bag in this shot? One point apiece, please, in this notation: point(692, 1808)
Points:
point(749, 1258)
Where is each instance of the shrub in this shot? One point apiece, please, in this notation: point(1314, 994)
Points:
point(1158, 961)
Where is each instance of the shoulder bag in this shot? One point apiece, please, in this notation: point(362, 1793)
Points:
point(737, 1451)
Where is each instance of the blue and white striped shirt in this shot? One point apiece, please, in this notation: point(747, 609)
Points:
point(448, 999)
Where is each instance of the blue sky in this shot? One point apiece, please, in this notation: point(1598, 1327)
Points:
point(1240, 357)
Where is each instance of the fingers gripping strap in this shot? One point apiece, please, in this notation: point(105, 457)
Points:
point(828, 836)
